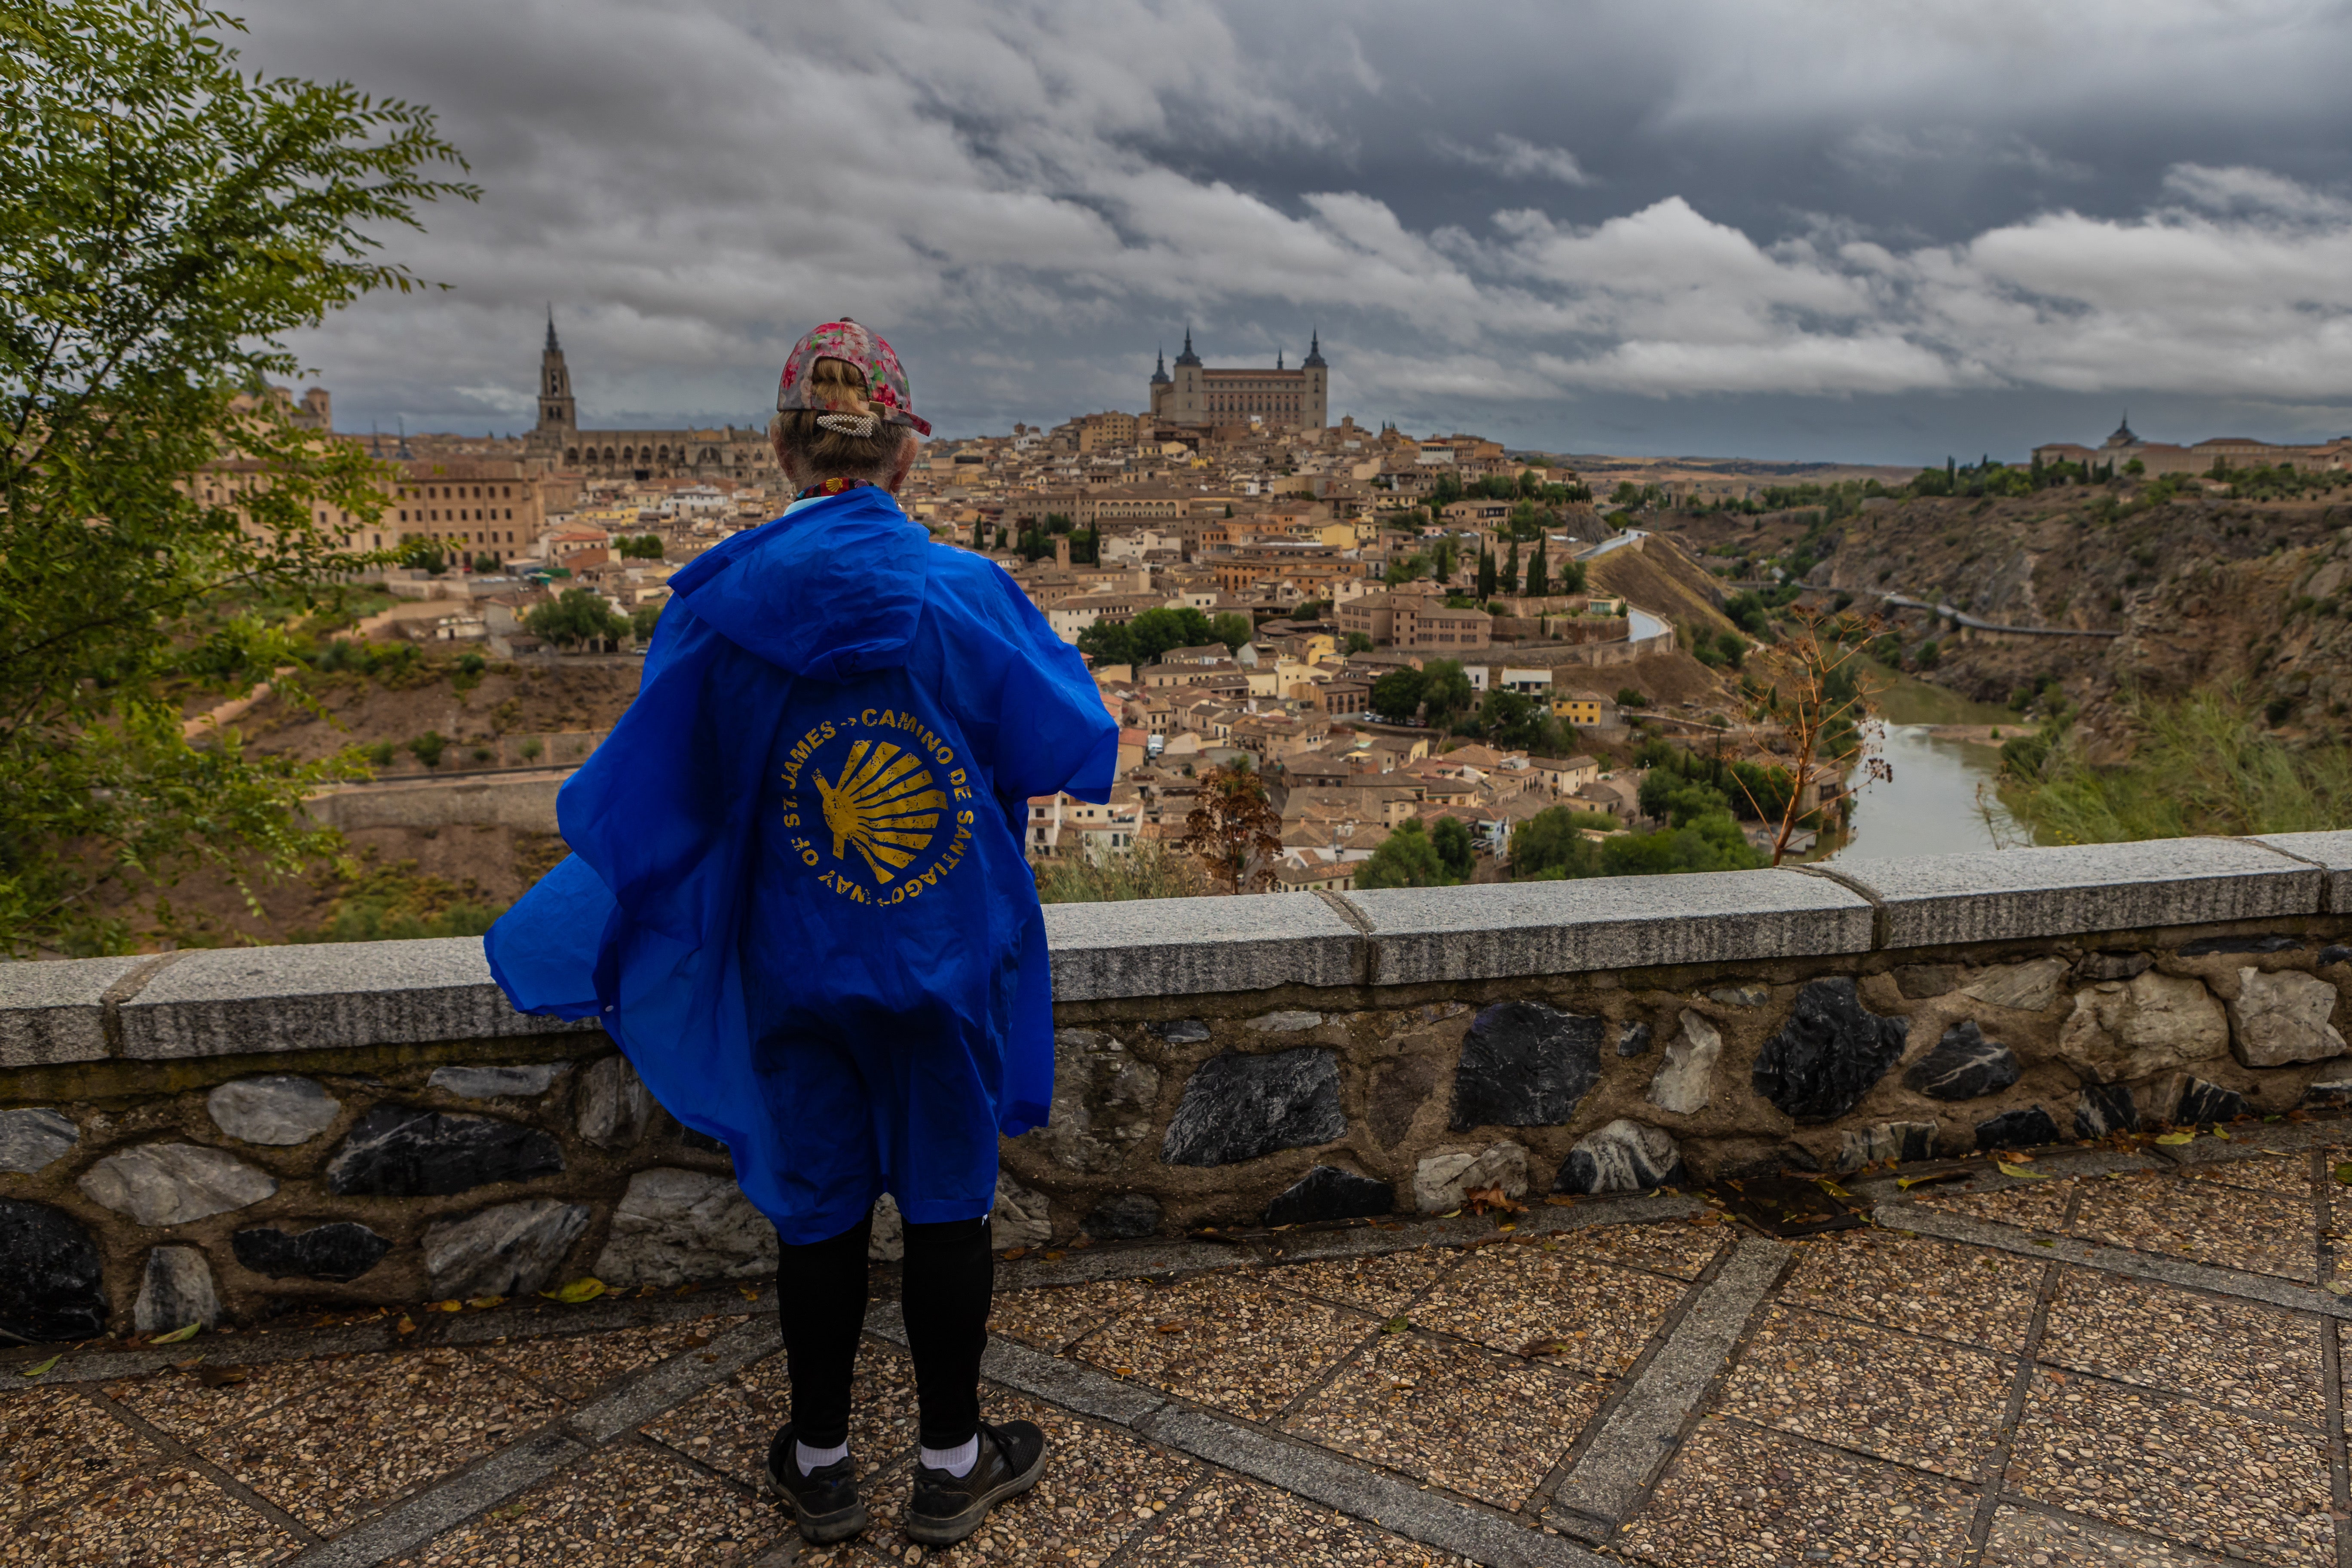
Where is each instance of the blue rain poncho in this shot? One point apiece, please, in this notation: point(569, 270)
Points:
point(796, 895)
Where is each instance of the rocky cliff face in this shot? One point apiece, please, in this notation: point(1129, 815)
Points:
point(2204, 591)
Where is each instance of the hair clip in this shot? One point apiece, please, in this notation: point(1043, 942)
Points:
point(847, 424)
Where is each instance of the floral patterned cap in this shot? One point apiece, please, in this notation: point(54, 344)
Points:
point(844, 340)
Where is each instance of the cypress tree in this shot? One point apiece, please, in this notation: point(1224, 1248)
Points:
point(1511, 572)
point(1538, 583)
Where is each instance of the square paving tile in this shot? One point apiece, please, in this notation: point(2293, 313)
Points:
point(1052, 1318)
point(2040, 1205)
point(54, 1444)
point(2287, 1174)
point(2205, 1477)
point(1099, 1490)
point(2022, 1539)
point(628, 1504)
point(1509, 1298)
point(2226, 1353)
point(1916, 1401)
point(387, 1427)
point(1735, 1498)
point(730, 1425)
point(1952, 1292)
point(1381, 1285)
point(2204, 1222)
point(1230, 1522)
point(1228, 1341)
point(1475, 1420)
point(575, 1366)
point(189, 1403)
point(1679, 1248)
point(171, 1517)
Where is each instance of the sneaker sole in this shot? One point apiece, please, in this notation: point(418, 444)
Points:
point(929, 1530)
point(819, 1529)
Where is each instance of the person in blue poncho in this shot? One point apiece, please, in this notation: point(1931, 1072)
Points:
point(797, 899)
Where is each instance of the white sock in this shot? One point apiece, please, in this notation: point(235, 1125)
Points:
point(957, 1462)
point(813, 1459)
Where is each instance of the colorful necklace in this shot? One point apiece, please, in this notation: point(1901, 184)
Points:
point(834, 487)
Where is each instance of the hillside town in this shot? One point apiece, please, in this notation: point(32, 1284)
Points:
point(1295, 562)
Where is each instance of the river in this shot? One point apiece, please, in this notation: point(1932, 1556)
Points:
point(1935, 804)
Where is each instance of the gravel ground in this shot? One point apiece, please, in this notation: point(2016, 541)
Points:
point(1926, 1287)
point(1475, 1420)
point(1861, 1418)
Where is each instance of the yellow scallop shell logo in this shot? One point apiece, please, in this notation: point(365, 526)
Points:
point(883, 803)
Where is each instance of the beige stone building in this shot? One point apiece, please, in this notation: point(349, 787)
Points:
point(1278, 398)
point(724, 455)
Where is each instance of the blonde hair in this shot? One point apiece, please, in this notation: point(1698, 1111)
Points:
point(846, 436)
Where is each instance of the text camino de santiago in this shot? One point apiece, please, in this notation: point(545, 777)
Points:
point(881, 802)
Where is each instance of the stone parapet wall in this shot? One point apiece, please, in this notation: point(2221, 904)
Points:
point(226, 1133)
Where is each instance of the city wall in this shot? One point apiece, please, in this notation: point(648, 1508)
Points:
point(229, 1133)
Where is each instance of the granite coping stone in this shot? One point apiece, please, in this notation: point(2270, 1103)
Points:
point(1499, 930)
point(1929, 901)
point(259, 1000)
point(233, 1001)
point(54, 1011)
point(1175, 947)
point(2330, 851)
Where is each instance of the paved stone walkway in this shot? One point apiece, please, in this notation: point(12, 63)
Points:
point(2130, 1359)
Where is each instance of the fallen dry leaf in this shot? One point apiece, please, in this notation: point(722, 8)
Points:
point(185, 1332)
point(484, 1303)
point(407, 1325)
point(222, 1376)
point(2020, 1172)
point(43, 1366)
point(2177, 1138)
point(451, 1305)
point(585, 1288)
point(1171, 1328)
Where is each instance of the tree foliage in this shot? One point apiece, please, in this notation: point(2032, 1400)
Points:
point(1149, 870)
point(1407, 858)
point(165, 219)
point(1235, 829)
point(575, 617)
point(1143, 639)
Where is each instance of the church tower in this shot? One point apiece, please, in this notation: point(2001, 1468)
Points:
point(556, 410)
point(1315, 406)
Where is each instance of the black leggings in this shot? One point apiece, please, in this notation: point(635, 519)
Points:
point(821, 1298)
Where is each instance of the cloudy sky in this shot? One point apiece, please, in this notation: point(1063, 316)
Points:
point(1868, 230)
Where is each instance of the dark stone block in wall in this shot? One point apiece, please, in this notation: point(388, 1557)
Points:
point(1239, 1107)
point(1829, 1053)
point(1328, 1192)
point(2017, 1130)
point(2335, 1096)
point(2114, 964)
point(2211, 946)
point(2105, 1108)
point(340, 1251)
point(2203, 1102)
point(1964, 1065)
point(401, 1152)
point(1399, 1091)
point(1124, 1216)
point(1526, 1065)
point(1623, 1157)
point(1181, 1031)
point(1632, 1039)
point(50, 1284)
point(2328, 955)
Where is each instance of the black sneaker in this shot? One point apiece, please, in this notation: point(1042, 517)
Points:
point(948, 1508)
point(824, 1502)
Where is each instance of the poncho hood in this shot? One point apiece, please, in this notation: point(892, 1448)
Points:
point(832, 590)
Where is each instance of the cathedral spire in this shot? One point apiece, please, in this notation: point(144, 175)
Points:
point(1160, 369)
point(1188, 356)
point(1314, 360)
point(553, 346)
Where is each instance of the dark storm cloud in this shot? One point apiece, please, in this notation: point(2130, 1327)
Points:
point(1834, 228)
